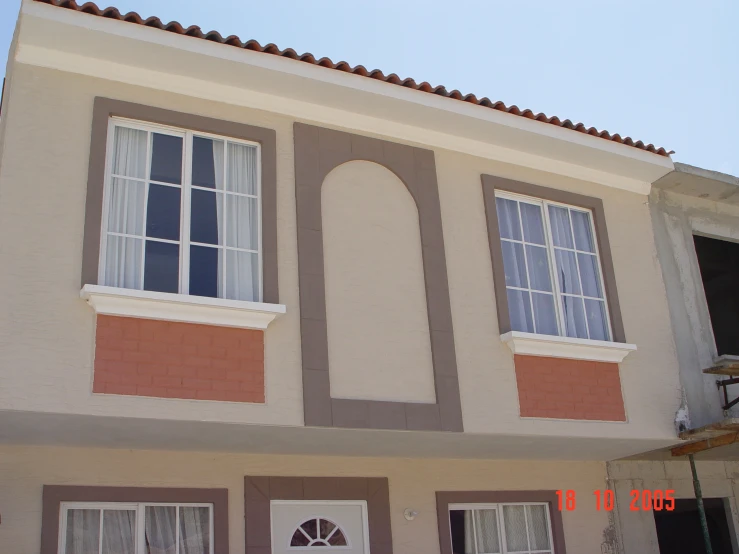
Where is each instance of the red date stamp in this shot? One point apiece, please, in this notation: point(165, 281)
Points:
point(641, 500)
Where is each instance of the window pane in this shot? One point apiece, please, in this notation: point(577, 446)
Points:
point(569, 282)
point(538, 527)
point(561, 232)
point(519, 308)
point(204, 270)
point(161, 529)
point(119, 532)
point(242, 169)
point(241, 222)
point(595, 310)
point(514, 521)
point(129, 152)
point(508, 223)
point(544, 314)
point(123, 262)
point(194, 530)
point(242, 276)
point(166, 158)
point(514, 264)
point(574, 316)
point(83, 532)
point(538, 267)
point(126, 213)
point(583, 235)
point(533, 225)
point(207, 213)
point(486, 522)
point(207, 163)
point(162, 268)
point(589, 275)
point(163, 212)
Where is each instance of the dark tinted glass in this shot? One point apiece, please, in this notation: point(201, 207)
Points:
point(166, 159)
point(204, 222)
point(204, 271)
point(203, 168)
point(162, 269)
point(163, 212)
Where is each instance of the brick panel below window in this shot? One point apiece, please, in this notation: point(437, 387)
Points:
point(143, 357)
point(569, 389)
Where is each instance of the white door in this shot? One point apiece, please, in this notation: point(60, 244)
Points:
point(319, 526)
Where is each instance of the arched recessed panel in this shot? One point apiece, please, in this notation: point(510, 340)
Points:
point(376, 315)
point(318, 532)
point(318, 152)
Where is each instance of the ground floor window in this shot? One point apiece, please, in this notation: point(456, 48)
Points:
point(135, 528)
point(501, 528)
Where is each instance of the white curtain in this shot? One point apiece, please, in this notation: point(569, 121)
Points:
point(218, 163)
point(119, 532)
point(83, 532)
point(242, 268)
point(162, 535)
point(123, 255)
point(194, 530)
point(487, 535)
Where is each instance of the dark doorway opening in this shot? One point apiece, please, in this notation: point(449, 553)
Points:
point(719, 264)
point(679, 531)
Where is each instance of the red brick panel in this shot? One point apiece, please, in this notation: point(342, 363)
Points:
point(144, 357)
point(569, 389)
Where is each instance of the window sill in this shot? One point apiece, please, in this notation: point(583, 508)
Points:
point(180, 307)
point(566, 347)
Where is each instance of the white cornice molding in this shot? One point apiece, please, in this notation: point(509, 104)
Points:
point(565, 347)
point(180, 307)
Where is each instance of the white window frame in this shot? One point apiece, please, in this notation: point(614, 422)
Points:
point(185, 187)
point(501, 527)
point(544, 204)
point(140, 508)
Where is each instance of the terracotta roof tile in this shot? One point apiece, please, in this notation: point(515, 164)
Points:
point(233, 40)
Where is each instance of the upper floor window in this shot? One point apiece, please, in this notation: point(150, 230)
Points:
point(181, 212)
point(553, 274)
point(500, 528)
point(126, 528)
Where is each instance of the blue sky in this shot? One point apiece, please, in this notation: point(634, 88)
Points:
point(661, 72)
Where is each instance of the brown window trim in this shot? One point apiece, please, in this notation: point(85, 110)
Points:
point(259, 491)
point(492, 183)
point(445, 498)
point(317, 152)
point(104, 108)
point(54, 495)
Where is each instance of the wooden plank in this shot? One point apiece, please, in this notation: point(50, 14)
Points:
point(725, 365)
point(723, 427)
point(707, 444)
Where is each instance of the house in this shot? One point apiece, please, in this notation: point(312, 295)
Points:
point(258, 302)
point(696, 226)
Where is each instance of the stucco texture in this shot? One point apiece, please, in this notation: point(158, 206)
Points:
point(46, 330)
point(413, 483)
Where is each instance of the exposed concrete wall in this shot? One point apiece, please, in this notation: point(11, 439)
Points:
point(637, 527)
point(676, 218)
point(413, 484)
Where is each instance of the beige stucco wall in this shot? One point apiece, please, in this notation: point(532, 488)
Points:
point(413, 482)
point(637, 531)
point(46, 331)
point(378, 328)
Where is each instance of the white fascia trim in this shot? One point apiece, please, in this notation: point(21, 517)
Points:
point(566, 347)
point(180, 307)
point(207, 90)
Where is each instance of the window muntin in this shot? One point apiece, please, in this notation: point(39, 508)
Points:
point(318, 532)
point(182, 212)
point(553, 276)
point(504, 528)
point(135, 528)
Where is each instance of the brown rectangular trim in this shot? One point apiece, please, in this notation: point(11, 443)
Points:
point(104, 108)
point(445, 498)
point(318, 151)
point(54, 495)
point(259, 491)
point(490, 184)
